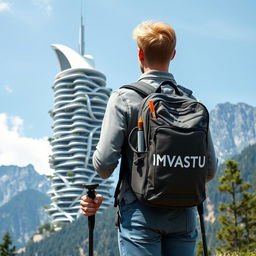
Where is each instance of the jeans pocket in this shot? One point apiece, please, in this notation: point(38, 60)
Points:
point(180, 221)
point(127, 206)
point(126, 210)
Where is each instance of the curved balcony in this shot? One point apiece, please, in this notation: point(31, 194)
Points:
point(80, 99)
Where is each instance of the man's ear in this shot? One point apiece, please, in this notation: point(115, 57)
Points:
point(173, 54)
point(141, 54)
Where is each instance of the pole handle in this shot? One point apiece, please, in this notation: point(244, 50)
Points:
point(91, 189)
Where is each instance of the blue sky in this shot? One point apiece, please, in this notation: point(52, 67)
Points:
point(216, 51)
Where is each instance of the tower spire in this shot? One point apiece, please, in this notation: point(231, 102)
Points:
point(81, 34)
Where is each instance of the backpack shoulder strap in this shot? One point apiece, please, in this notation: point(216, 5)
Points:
point(168, 82)
point(144, 90)
point(140, 87)
point(122, 171)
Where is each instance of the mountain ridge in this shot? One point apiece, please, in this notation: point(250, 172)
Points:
point(14, 179)
point(233, 127)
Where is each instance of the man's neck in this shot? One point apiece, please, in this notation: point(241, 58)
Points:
point(150, 69)
point(146, 67)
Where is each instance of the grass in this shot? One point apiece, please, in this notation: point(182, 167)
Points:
point(236, 254)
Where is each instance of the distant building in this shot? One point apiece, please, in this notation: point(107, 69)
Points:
point(80, 99)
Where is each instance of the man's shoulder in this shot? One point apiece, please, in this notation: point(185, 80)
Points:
point(119, 92)
point(125, 96)
point(125, 92)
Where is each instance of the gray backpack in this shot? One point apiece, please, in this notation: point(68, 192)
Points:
point(172, 169)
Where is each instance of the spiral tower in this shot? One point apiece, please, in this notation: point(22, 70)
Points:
point(80, 99)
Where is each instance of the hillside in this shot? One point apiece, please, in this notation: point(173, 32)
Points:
point(72, 240)
point(247, 165)
point(22, 215)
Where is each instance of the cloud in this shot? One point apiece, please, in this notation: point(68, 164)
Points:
point(5, 6)
point(44, 5)
point(16, 149)
point(8, 89)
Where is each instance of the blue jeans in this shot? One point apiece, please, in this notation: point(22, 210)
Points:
point(147, 231)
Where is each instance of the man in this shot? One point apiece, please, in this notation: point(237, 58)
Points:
point(144, 230)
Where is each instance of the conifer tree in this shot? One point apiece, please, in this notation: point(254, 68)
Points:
point(200, 250)
point(6, 248)
point(238, 231)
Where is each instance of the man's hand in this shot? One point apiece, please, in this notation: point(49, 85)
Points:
point(90, 206)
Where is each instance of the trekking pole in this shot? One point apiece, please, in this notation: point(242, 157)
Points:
point(200, 209)
point(91, 219)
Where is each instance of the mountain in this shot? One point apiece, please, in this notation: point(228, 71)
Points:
point(23, 192)
point(14, 179)
point(22, 197)
point(233, 127)
point(22, 215)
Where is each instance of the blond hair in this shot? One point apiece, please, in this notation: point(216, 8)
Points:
point(157, 40)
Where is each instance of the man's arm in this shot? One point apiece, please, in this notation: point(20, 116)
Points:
point(113, 131)
point(108, 151)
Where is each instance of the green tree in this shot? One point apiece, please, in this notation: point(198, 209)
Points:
point(238, 231)
point(6, 248)
point(44, 228)
point(70, 174)
point(200, 249)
